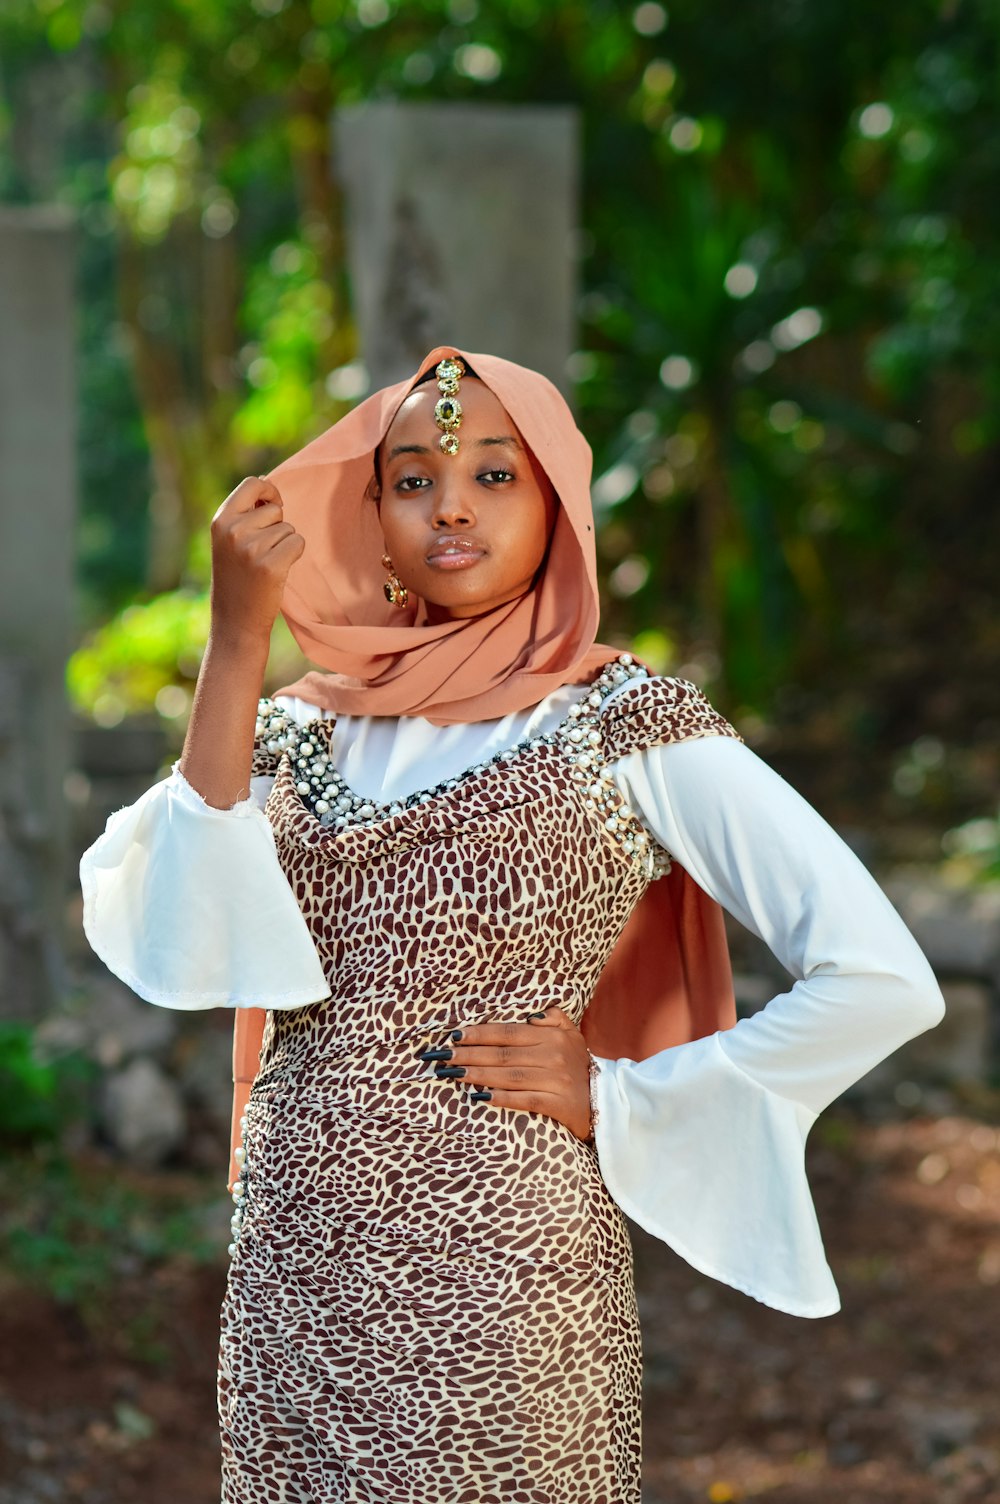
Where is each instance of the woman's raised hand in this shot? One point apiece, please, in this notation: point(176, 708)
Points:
point(253, 548)
point(537, 1066)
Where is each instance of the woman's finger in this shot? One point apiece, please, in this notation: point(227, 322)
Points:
point(514, 1077)
point(275, 532)
point(482, 1055)
point(289, 550)
point(505, 1035)
point(552, 1017)
point(263, 514)
point(245, 496)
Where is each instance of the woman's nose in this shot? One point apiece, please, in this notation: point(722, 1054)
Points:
point(451, 507)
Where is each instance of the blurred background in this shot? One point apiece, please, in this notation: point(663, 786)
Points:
point(757, 246)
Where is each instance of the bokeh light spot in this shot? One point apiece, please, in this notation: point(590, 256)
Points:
point(418, 68)
point(741, 279)
point(649, 19)
point(799, 327)
point(629, 576)
point(677, 373)
point(685, 134)
point(876, 120)
point(172, 701)
point(615, 484)
point(659, 77)
point(373, 12)
point(479, 62)
point(348, 382)
point(784, 416)
point(756, 358)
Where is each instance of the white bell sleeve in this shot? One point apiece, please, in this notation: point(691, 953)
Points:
point(703, 1144)
point(188, 905)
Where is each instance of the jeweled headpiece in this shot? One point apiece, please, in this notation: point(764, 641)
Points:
point(448, 409)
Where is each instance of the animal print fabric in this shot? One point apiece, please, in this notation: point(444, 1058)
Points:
point(431, 1299)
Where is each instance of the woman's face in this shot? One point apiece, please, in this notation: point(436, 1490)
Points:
point(466, 532)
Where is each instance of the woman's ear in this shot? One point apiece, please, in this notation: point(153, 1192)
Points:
point(373, 490)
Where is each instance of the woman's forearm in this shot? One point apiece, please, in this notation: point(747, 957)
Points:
point(218, 748)
point(253, 549)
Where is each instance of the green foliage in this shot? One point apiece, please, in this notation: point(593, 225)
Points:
point(38, 1097)
point(73, 1230)
point(141, 658)
point(71, 1227)
point(290, 308)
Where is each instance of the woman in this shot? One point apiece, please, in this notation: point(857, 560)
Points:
point(430, 1296)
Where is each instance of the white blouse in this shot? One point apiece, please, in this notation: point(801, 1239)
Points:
point(701, 1144)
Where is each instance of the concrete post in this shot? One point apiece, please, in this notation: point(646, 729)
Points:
point(461, 225)
point(37, 506)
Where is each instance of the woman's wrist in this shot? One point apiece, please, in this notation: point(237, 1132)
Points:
point(218, 748)
point(243, 645)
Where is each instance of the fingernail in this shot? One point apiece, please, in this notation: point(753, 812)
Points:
point(445, 1072)
point(480, 1096)
point(441, 1054)
point(456, 1034)
point(536, 1015)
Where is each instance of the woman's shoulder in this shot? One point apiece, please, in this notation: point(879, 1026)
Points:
point(652, 710)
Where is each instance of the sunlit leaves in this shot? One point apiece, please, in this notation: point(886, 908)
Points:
point(125, 665)
point(290, 306)
point(156, 176)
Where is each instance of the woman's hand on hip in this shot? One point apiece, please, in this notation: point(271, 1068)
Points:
point(253, 548)
point(539, 1066)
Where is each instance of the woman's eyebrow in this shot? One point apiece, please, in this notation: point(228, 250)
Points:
point(408, 449)
point(507, 439)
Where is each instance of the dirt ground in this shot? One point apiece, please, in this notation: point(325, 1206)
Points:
point(894, 1401)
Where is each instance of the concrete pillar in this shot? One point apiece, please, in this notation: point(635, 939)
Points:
point(461, 229)
point(37, 508)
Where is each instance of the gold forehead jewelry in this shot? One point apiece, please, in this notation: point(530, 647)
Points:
point(448, 409)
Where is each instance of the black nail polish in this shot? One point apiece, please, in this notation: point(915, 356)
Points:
point(441, 1054)
point(536, 1015)
point(480, 1096)
point(456, 1034)
point(446, 1072)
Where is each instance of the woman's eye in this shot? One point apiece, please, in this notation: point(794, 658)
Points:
point(411, 482)
point(499, 476)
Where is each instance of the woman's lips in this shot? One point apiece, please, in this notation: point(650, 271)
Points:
point(455, 553)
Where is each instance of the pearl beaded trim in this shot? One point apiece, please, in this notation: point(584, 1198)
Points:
point(582, 742)
point(579, 738)
point(239, 1188)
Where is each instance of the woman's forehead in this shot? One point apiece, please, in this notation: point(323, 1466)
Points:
point(480, 406)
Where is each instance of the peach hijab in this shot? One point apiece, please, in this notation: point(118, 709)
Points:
point(669, 979)
point(387, 661)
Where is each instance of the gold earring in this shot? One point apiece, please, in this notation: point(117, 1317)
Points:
point(396, 592)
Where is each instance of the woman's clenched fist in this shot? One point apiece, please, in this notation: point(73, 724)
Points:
point(253, 548)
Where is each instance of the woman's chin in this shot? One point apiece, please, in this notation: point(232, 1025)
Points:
point(456, 603)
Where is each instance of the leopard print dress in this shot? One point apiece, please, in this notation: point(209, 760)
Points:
point(431, 1298)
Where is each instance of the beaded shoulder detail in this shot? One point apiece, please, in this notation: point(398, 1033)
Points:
point(580, 738)
point(657, 712)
